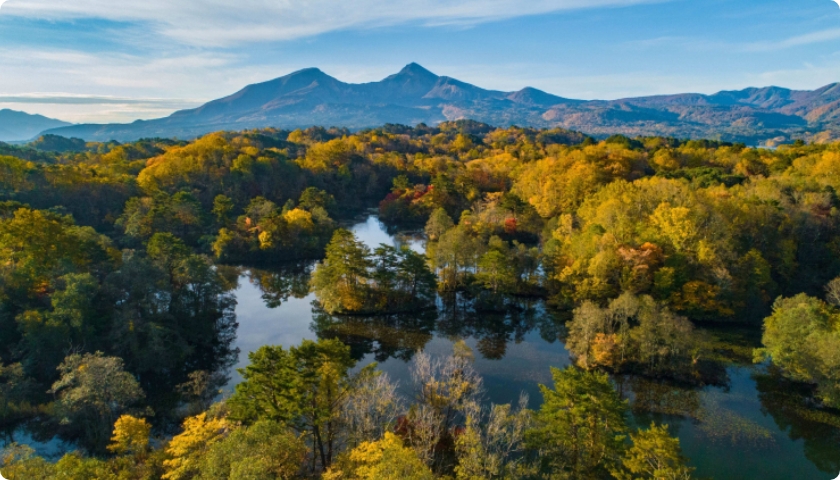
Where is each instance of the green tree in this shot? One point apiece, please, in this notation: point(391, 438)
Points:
point(455, 257)
point(341, 281)
point(401, 280)
point(167, 251)
point(14, 387)
point(439, 222)
point(655, 455)
point(312, 198)
point(304, 386)
point(93, 392)
point(580, 428)
point(19, 462)
point(496, 272)
point(76, 318)
point(265, 450)
point(802, 336)
point(222, 208)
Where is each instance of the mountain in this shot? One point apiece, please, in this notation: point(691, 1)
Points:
point(21, 126)
point(416, 95)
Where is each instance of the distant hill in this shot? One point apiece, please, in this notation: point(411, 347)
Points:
point(20, 126)
point(56, 143)
point(415, 95)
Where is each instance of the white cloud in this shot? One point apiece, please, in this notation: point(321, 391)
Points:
point(797, 41)
point(227, 22)
point(127, 87)
point(80, 99)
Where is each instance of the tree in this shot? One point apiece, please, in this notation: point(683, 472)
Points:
point(188, 449)
point(655, 455)
point(181, 215)
point(386, 459)
point(444, 390)
point(492, 443)
point(634, 332)
point(222, 208)
point(312, 198)
point(455, 256)
point(352, 280)
point(131, 436)
point(496, 272)
point(832, 292)
point(265, 450)
point(370, 409)
point(167, 251)
point(93, 392)
point(19, 462)
point(802, 336)
point(13, 389)
point(587, 323)
point(401, 280)
point(305, 387)
point(340, 281)
point(76, 318)
point(439, 222)
point(580, 427)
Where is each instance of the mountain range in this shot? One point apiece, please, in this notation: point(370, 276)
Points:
point(19, 126)
point(415, 95)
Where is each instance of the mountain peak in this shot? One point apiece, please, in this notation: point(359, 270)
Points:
point(307, 72)
point(415, 70)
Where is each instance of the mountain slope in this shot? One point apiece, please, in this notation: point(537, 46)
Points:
point(20, 126)
point(414, 95)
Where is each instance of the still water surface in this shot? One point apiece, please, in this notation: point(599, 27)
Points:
point(754, 427)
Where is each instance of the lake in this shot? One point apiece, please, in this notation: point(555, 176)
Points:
point(755, 426)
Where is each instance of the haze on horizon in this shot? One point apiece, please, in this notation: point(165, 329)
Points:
point(91, 61)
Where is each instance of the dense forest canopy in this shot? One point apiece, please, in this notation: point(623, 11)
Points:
point(117, 318)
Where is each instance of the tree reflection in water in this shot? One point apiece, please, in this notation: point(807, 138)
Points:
point(401, 335)
point(796, 412)
point(708, 410)
point(277, 286)
point(383, 336)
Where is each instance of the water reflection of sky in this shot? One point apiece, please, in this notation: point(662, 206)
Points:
point(734, 435)
point(372, 233)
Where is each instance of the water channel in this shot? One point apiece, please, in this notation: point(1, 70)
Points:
point(754, 426)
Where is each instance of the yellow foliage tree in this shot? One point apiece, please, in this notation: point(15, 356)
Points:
point(605, 350)
point(676, 224)
point(187, 449)
point(299, 218)
point(387, 459)
point(131, 435)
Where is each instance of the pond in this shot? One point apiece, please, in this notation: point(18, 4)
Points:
point(753, 427)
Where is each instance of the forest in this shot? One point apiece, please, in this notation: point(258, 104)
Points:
point(117, 311)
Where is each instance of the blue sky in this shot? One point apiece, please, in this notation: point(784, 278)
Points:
point(107, 60)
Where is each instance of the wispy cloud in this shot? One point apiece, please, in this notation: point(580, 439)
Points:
point(797, 41)
point(75, 99)
point(228, 22)
point(93, 108)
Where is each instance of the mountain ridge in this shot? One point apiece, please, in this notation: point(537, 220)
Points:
point(18, 126)
point(416, 95)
